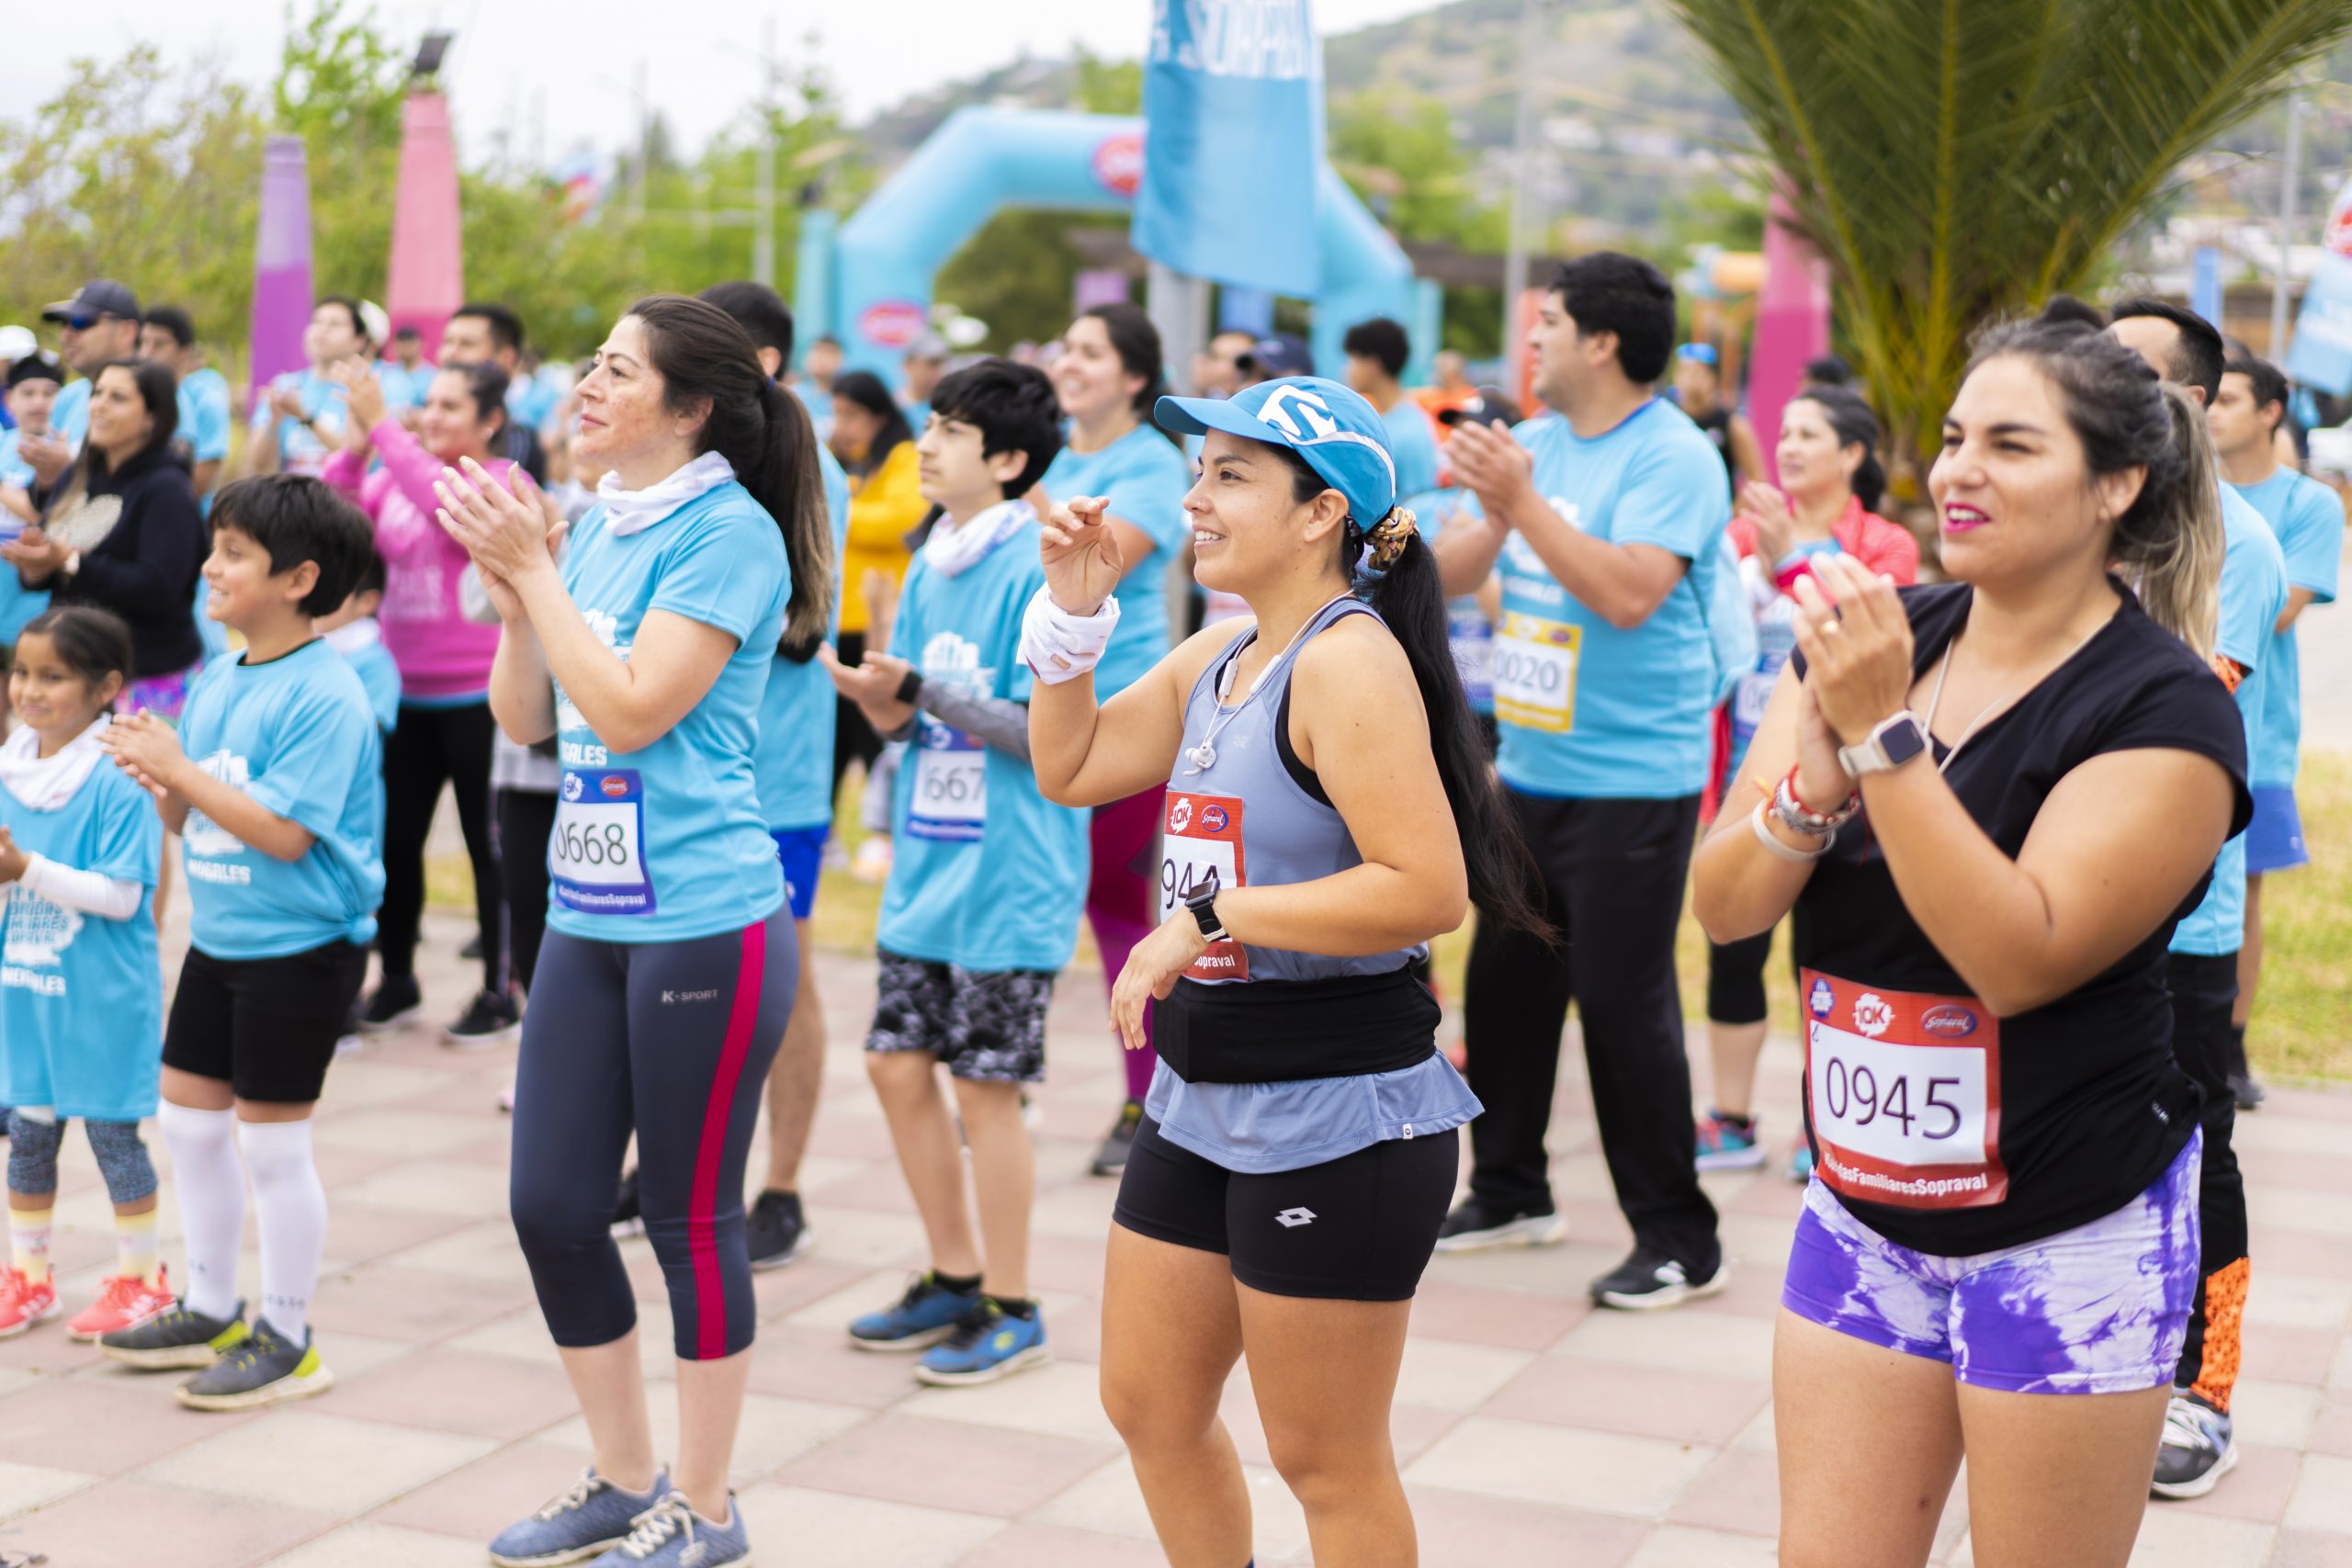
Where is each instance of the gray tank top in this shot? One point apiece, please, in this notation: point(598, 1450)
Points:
point(1246, 820)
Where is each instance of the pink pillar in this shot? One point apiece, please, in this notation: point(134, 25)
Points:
point(1791, 325)
point(281, 262)
point(427, 281)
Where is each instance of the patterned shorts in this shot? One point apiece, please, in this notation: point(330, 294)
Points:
point(987, 1028)
point(2098, 1309)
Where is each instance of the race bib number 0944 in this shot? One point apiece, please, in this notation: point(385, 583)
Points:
point(1904, 1092)
point(1201, 852)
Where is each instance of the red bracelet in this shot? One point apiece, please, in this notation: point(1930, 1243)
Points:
point(1852, 803)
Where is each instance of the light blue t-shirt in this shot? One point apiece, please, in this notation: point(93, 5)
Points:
point(297, 734)
point(378, 675)
point(70, 416)
point(1587, 710)
point(2253, 590)
point(81, 998)
point(988, 874)
point(1144, 477)
point(18, 604)
point(795, 760)
point(819, 404)
point(1469, 635)
point(204, 415)
point(668, 844)
point(298, 451)
point(1257, 1128)
point(2309, 522)
point(531, 400)
point(1412, 445)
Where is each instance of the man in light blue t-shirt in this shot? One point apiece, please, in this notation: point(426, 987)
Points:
point(1377, 350)
point(168, 337)
point(2308, 520)
point(1607, 522)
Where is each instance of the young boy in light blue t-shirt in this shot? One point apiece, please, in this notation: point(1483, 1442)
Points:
point(273, 781)
point(982, 904)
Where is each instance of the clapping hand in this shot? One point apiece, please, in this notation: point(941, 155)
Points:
point(1856, 640)
point(147, 749)
point(508, 529)
point(13, 860)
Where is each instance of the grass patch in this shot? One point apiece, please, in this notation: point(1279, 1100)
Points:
point(2302, 1019)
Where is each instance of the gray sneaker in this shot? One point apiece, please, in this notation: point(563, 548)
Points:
point(263, 1368)
point(180, 1337)
point(590, 1517)
point(672, 1535)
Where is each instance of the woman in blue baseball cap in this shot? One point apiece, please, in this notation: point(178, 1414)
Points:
point(1328, 811)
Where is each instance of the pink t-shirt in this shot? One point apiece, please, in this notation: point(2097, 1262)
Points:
point(442, 656)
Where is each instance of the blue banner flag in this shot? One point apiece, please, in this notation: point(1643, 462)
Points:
point(1233, 114)
point(2322, 354)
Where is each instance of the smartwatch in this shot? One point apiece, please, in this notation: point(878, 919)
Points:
point(1895, 741)
point(1204, 907)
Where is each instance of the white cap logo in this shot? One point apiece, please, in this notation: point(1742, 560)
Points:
point(1277, 412)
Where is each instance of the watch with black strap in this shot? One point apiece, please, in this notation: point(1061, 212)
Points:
point(1204, 907)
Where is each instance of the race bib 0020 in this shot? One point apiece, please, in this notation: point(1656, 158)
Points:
point(1905, 1091)
point(1201, 852)
point(1535, 672)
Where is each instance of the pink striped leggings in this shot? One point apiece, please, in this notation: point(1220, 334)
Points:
point(670, 1041)
point(1122, 899)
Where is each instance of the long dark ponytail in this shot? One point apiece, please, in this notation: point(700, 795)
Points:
point(1850, 418)
point(1411, 598)
point(760, 428)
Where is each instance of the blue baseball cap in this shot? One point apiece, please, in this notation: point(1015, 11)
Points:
point(1341, 436)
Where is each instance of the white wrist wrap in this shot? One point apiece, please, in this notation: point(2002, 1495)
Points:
point(1058, 646)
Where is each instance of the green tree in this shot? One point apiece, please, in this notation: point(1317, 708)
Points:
point(339, 86)
point(1107, 86)
point(1399, 153)
point(1960, 159)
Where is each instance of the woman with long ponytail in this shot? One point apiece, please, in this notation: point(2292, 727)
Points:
point(670, 961)
point(1328, 811)
point(1988, 802)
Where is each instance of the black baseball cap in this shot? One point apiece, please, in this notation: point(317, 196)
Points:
point(1283, 354)
point(37, 366)
point(99, 296)
point(1488, 406)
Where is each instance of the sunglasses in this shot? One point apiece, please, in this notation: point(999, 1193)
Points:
point(83, 323)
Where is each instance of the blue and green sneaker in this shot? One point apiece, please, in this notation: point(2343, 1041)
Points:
point(263, 1368)
point(987, 1344)
point(180, 1337)
point(927, 1313)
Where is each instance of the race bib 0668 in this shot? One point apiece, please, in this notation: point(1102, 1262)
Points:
point(596, 854)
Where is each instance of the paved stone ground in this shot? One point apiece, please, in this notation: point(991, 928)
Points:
point(1533, 1429)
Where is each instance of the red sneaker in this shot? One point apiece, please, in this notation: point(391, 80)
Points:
point(126, 1302)
point(23, 1304)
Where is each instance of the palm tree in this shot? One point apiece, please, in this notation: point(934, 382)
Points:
point(1956, 159)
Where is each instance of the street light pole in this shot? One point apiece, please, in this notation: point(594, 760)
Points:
point(764, 237)
point(1522, 156)
point(2290, 177)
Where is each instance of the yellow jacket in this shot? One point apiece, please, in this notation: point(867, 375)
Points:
point(884, 507)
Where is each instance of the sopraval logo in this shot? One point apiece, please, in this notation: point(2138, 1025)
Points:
point(1290, 1219)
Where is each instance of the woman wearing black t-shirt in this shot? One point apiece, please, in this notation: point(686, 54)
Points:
point(2003, 1207)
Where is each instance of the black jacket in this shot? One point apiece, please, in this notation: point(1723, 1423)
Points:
point(144, 570)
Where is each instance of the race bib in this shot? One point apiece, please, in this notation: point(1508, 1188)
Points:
point(1750, 698)
point(1905, 1091)
point(1535, 672)
point(1200, 850)
point(950, 791)
point(596, 854)
point(1470, 636)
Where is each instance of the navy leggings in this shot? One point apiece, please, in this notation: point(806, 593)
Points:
point(673, 1041)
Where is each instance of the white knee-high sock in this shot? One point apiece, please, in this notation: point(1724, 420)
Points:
point(211, 1187)
point(290, 1211)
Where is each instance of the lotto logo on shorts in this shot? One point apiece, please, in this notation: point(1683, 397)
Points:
point(1290, 1219)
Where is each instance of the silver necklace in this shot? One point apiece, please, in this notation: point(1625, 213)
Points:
point(1204, 756)
point(1991, 710)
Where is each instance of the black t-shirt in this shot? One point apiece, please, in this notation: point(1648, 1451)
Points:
point(2090, 1106)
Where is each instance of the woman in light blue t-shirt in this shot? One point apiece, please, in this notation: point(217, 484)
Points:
point(669, 970)
point(1107, 379)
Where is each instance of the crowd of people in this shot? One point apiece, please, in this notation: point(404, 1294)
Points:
point(1273, 685)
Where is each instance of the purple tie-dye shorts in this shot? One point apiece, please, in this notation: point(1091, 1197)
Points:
point(2098, 1309)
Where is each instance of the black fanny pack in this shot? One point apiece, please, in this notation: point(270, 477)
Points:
point(1278, 1031)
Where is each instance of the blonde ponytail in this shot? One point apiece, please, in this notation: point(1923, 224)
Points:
point(2171, 540)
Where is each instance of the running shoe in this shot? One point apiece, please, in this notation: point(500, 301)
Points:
point(1729, 1143)
point(178, 1337)
point(126, 1302)
point(589, 1517)
point(1112, 1157)
point(2197, 1451)
point(1473, 1226)
point(629, 1220)
point(349, 1046)
point(927, 1313)
point(2247, 1092)
point(265, 1368)
point(395, 1000)
point(776, 1230)
point(986, 1344)
point(489, 1020)
point(1647, 1281)
point(1801, 1164)
point(672, 1535)
point(24, 1303)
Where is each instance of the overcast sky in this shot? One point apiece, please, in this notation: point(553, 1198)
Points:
point(567, 67)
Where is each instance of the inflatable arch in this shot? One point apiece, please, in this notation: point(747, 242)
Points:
point(869, 280)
